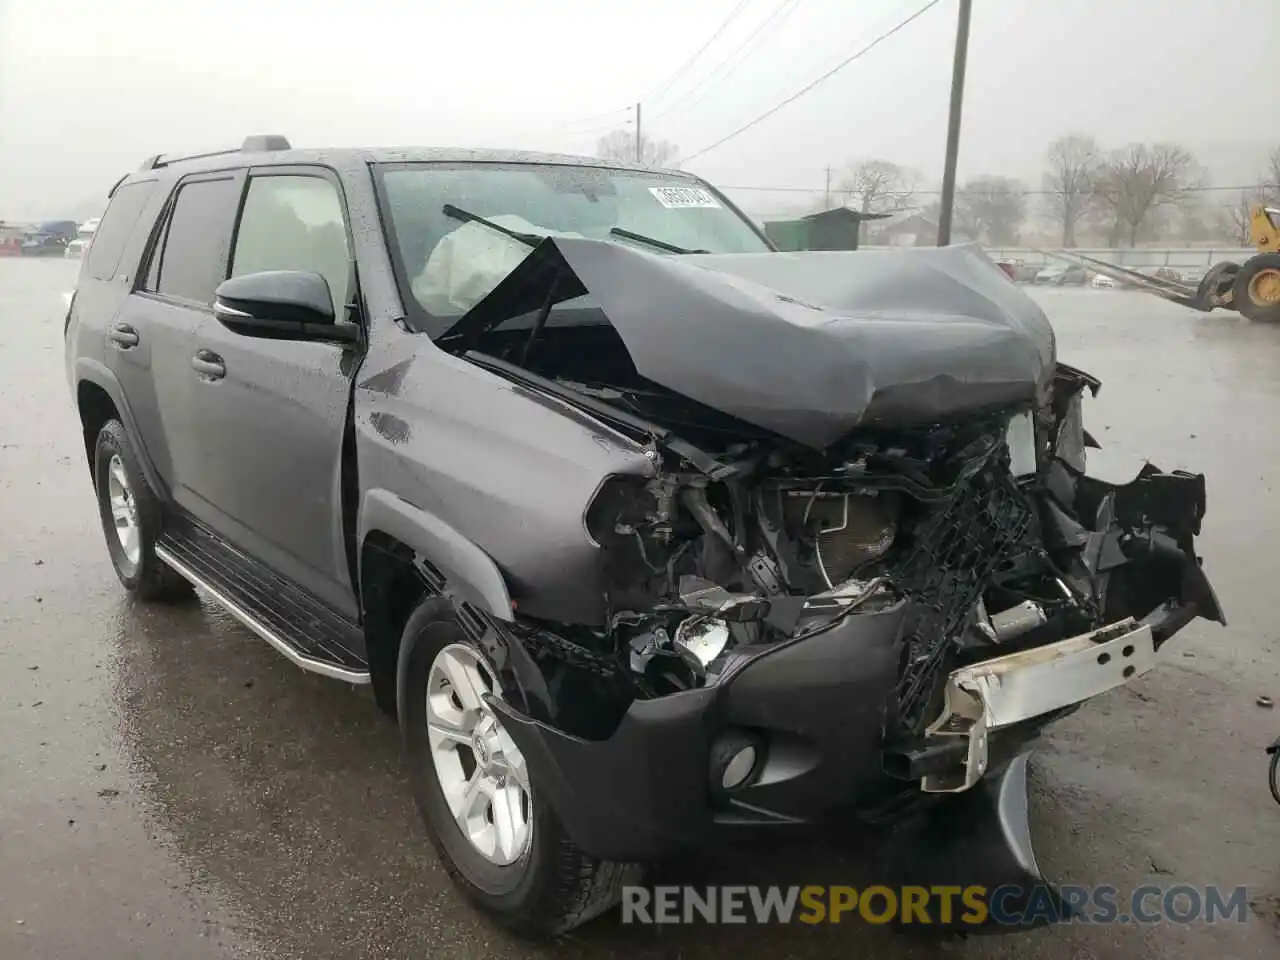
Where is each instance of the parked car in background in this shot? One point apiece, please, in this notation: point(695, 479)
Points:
point(11, 237)
point(1101, 281)
point(50, 239)
point(77, 247)
point(1061, 274)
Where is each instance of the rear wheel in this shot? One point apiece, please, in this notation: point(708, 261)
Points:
point(1256, 291)
point(499, 842)
point(131, 516)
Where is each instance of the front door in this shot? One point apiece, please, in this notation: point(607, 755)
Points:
point(271, 414)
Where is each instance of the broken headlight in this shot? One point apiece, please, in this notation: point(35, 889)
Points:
point(1020, 437)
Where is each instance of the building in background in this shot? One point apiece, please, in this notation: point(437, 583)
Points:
point(835, 229)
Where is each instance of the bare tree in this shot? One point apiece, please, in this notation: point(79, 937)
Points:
point(1235, 211)
point(1234, 214)
point(878, 186)
point(621, 145)
point(1136, 182)
point(991, 209)
point(1070, 180)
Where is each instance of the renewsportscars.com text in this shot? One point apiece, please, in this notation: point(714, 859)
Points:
point(974, 905)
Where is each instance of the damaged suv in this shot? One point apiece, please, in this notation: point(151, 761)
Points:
point(648, 535)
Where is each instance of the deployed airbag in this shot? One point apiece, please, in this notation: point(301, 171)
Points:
point(808, 345)
point(471, 260)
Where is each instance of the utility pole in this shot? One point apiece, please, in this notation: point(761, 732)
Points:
point(953, 125)
point(826, 195)
point(639, 137)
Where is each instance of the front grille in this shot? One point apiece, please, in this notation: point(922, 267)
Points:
point(954, 551)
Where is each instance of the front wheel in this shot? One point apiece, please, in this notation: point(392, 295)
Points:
point(131, 517)
point(504, 848)
point(1256, 290)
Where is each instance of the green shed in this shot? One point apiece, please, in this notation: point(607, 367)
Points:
point(835, 229)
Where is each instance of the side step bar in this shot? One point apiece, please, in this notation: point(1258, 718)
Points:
point(300, 627)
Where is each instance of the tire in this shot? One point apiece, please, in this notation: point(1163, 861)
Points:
point(1215, 285)
point(1256, 290)
point(116, 474)
point(551, 886)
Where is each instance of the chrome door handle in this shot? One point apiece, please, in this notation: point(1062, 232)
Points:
point(208, 364)
point(123, 336)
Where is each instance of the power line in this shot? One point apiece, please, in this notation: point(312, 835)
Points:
point(565, 125)
point(780, 14)
point(737, 9)
point(826, 76)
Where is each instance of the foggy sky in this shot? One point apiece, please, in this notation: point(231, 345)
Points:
point(90, 87)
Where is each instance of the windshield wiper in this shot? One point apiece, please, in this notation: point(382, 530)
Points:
point(457, 213)
point(660, 244)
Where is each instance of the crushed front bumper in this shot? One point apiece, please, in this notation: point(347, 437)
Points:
point(814, 710)
point(1024, 686)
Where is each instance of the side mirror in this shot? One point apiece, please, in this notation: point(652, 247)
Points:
point(280, 305)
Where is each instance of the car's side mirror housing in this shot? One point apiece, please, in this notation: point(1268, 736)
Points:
point(280, 305)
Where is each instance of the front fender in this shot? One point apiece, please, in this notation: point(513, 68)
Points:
point(469, 572)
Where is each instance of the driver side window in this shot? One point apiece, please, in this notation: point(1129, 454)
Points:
point(295, 222)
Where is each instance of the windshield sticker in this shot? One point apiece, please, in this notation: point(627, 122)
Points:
point(674, 198)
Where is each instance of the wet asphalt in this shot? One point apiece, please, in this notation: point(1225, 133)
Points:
point(170, 787)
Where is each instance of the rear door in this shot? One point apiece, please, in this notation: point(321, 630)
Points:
point(270, 415)
point(151, 338)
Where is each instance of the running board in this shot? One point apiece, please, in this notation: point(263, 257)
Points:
point(300, 627)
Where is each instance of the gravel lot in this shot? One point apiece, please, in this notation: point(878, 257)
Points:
point(170, 787)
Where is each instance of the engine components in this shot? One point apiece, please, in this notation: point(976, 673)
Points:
point(1017, 620)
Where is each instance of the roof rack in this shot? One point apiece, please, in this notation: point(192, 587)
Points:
point(259, 143)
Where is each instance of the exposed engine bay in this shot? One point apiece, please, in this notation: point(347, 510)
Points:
point(960, 495)
point(988, 528)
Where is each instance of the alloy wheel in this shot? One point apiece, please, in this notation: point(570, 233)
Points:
point(481, 771)
point(124, 511)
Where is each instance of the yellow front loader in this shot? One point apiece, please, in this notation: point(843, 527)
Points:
point(1252, 287)
point(1255, 289)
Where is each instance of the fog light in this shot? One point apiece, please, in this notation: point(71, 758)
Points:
point(738, 768)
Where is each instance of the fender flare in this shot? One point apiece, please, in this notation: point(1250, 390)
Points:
point(88, 370)
point(469, 572)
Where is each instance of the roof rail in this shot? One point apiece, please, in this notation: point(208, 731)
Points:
point(259, 143)
point(265, 143)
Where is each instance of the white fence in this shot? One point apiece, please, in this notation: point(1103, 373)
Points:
point(1190, 263)
point(1182, 259)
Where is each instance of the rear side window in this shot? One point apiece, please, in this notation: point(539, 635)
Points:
point(117, 225)
point(193, 260)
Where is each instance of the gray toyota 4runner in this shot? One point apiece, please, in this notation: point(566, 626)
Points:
point(649, 535)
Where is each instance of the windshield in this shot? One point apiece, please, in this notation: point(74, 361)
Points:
point(460, 228)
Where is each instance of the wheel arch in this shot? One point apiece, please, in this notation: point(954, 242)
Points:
point(99, 398)
point(405, 555)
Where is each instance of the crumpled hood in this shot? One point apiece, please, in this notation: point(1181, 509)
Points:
point(808, 345)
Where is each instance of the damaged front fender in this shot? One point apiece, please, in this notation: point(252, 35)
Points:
point(1130, 548)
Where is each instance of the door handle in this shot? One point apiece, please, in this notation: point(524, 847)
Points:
point(208, 364)
point(123, 336)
